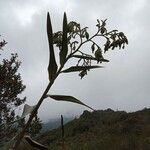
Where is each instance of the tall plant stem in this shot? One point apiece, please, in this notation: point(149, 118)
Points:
point(34, 112)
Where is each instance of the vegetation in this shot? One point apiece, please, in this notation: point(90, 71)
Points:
point(11, 87)
point(70, 42)
point(101, 130)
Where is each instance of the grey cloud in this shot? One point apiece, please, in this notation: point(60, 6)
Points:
point(123, 83)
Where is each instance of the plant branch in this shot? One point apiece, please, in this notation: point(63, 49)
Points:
point(82, 44)
point(34, 112)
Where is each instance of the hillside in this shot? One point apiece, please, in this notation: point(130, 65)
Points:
point(103, 130)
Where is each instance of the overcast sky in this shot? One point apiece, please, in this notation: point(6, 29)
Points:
point(123, 84)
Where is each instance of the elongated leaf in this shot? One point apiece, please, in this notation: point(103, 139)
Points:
point(90, 58)
point(68, 99)
point(35, 144)
point(64, 50)
point(27, 110)
point(80, 68)
point(52, 67)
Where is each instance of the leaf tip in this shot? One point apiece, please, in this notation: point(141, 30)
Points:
point(65, 16)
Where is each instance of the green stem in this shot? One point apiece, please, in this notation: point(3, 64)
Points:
point(34, 112)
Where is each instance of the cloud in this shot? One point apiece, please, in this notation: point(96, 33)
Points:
point(122, 84)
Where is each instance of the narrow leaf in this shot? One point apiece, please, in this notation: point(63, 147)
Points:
point(27, 110)
point(35, 144)
point(52, 67)
point(90, 58)
point(68, 99)
point(80, 68)
point(64, 50)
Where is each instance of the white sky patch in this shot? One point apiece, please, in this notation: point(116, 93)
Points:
point(24, 15)
point(123, 84)
point(136, 6)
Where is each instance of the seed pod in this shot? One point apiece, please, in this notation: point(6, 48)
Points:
point(93, 47)
point(98, 55)
point(87, 35)
point(83, 73)
point(103, 30)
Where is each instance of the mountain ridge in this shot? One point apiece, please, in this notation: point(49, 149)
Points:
point(102, 129)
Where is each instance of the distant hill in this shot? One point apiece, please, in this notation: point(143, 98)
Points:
point(102, 130)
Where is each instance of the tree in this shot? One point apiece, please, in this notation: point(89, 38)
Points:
point(11, 87)
point(70, 42)
point(2, 44)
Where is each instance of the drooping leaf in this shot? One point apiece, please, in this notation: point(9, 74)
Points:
point(35, 144)
point(80, 68)
point(64, 50)
point(52, 67)
point(27, 110)
point(68, 99)
point(90, 58)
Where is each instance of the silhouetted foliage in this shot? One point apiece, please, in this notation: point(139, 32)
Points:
point(11, 86)
point(2, 44)
point(70, 41)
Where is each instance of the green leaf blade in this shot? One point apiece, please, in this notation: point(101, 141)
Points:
point(68, 99)
point(80, 68)
point(52, 67)
point(64, 50)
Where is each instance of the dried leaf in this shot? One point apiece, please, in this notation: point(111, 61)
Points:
point(35, 144)
point(52, 67)
point(68, 99)
point(64, 50)
point(27, 110)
